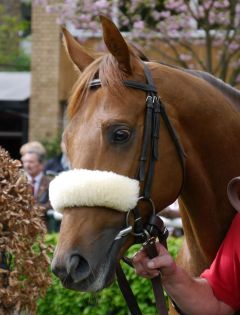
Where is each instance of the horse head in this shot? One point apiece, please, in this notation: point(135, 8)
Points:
point(104, 139)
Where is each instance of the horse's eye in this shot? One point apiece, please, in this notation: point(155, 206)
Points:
point(121, 135)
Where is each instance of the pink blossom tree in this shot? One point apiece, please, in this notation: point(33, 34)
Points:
point(202, 34)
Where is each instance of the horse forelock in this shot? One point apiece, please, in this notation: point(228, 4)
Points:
point(110, 74)
point(107, 70)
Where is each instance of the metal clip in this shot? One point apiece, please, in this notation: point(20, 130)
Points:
point(123, 233)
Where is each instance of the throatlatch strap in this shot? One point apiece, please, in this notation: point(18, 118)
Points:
point(178, 145)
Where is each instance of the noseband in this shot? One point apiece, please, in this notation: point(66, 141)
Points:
point(149, 152)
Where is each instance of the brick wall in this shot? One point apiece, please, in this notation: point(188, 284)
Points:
point(45, 120)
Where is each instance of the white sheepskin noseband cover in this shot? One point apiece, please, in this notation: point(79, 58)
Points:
point(81, 187)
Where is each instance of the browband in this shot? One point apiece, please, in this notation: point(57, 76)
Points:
point(129, 83)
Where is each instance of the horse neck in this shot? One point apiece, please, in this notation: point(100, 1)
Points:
point(209, 134)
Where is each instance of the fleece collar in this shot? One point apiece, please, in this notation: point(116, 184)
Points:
point(82, 187)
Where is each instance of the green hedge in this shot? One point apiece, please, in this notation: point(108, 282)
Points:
point(60, 301)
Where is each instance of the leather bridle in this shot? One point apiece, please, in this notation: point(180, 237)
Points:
point(149, 155)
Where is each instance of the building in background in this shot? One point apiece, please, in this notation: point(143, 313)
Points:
point(14, 110)
point(15, 78)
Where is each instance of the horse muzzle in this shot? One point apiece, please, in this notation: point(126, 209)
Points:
point(88, 247)
point(78, 273)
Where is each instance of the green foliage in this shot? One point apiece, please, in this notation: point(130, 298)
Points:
point(12, 56)
point(59, 301)
point(52, 146)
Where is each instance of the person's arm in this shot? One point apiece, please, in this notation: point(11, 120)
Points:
point(193, 296)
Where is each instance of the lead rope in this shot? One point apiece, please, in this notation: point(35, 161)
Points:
point(156, 229)
point(126, 289)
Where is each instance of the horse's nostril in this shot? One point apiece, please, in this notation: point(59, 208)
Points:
point(78, 268)
point(61, 273)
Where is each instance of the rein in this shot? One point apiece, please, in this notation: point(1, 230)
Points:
point(155, 227)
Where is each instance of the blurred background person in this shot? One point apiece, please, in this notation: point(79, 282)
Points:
point(35, 146)
point(33, 165)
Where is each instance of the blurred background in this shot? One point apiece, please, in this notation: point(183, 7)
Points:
point(36, 76)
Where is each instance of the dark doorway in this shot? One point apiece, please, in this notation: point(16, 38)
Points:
point(13, 126)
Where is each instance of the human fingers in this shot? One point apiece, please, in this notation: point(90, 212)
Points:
point(140, 262)
point(141, 254)
point(138, 257)
point(143, 271)
point(164, 263)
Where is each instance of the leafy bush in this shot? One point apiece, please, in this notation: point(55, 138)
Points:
point(59, 301)
point(12, 56)
point(24, 257)
point(52, 146)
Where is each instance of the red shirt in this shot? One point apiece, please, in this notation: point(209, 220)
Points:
point(224, 273)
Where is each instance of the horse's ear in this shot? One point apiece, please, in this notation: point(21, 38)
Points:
point(116, 44)
point(233, 191)
point(76, 52)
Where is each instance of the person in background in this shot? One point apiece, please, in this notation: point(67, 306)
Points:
point(35, 146)
point(33, 165)
point(57, 164)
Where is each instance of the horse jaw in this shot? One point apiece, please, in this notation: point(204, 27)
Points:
point(87, 252)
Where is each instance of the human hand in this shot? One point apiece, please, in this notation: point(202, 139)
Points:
point(150, 268)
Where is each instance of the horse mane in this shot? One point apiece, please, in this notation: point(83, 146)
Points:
point(231, 93)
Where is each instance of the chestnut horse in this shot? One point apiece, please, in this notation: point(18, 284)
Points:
point(105, 133)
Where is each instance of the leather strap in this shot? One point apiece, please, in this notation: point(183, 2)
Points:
point(140, 86)
point(179, 147)
point(127, 291)
point(155, 228)
point(155, 130)
point(129, 83)
point(150, 249)
point(146, 137)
